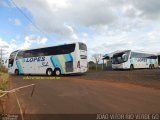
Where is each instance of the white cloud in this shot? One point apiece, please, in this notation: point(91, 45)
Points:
point(150, 9)
point(7, 47)
point(72, 33)
point(55, 15)
point(15, 21)
point(29, 40)
point(13, 45)
point(104, 25)
point(3, 43)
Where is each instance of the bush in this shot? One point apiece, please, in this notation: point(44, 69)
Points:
point(93, 67)
point(3, 81)
point(3, 69)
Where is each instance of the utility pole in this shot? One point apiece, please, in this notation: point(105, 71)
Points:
point(1, 53)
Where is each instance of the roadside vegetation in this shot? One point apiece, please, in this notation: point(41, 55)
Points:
point(3, 78)
point(3, 85)
point(95, 67)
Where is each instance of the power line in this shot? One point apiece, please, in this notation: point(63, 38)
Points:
point(21, 11)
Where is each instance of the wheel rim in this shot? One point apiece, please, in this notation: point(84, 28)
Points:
point(150, 67)
point(49, 72)
point(57, 72)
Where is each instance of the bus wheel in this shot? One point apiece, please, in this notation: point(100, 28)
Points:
point(153, 66)
point(49, 72)
point(57, 72)
point(150, 66)
point(131, 67)
point(16, 72)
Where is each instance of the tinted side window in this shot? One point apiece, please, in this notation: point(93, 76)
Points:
point(153, 57)
point(32, 53)
point(28, 53)
point(20, 55)
point(134, 55)
point(43, 52)
point(83, 56)
point(82, 46)
point(137, 55)
point(143, 55)
point(63, 49)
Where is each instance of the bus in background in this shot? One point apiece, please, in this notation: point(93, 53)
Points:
point(129, 59)
point(54, 60)
point(158, 60)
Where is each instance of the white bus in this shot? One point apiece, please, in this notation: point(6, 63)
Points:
point(129, 59)
point(54, 60)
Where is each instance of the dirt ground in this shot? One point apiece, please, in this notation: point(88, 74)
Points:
point(141, 77)
point(135, 91)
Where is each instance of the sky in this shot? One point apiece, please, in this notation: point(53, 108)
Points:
point(104, 25)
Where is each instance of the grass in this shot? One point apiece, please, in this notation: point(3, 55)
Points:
point(4, 81)
point(93, 67)
point(3, 78)
point(3, 69)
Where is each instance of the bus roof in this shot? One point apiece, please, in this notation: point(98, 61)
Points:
point(139, 51)
point(48, 46)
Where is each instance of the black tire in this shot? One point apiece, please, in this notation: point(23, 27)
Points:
point(16, 72)
point(57, 72)
point(153, 66)
point(49, 72)
point(150, 66)
point(131, 67)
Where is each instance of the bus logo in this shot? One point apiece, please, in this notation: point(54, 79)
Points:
point(35, 59)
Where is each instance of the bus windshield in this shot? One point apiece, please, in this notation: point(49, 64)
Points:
point(11, 58)
point(119, 58)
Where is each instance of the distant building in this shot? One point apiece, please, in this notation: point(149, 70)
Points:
point(107, 61)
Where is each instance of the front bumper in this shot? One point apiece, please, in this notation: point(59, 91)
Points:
point(119, 66)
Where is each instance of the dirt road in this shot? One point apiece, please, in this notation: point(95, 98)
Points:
point(88, 94)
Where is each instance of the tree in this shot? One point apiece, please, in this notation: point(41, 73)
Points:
point(91, 65)
point(97, 58)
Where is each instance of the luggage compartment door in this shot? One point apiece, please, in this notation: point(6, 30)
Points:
point(69, 66)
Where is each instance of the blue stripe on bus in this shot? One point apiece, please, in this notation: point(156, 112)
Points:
point(56, 63)
point(151, 62)
point(132, 61)
point(52, 62)
point(19, 67)
point(68, 57)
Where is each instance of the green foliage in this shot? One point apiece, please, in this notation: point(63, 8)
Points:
point(92, 67)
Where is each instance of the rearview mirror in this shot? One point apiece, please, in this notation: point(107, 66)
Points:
point(124, 57)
